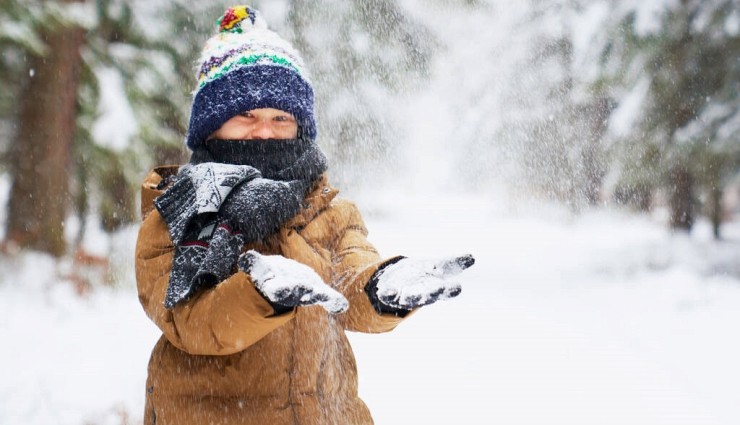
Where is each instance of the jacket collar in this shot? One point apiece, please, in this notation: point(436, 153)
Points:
point(316, 201)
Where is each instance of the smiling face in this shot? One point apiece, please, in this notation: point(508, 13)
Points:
point(259, 124)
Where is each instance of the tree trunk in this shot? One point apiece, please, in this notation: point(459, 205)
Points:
point(682, 198)
point(41, 153)
point(716, 164)
point(716, 211)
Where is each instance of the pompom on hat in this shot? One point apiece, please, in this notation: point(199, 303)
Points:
point(247, 66)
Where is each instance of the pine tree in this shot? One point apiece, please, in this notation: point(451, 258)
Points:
point(534, 118)
point(564, 125)
point(137, 55)
point(685, 140)
point(147, 51)
point(40, 151)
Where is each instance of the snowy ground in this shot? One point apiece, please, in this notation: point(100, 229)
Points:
point(606, 319)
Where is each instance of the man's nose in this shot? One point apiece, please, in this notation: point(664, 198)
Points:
point(263, 130)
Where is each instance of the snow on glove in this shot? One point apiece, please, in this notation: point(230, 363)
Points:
point(258, 207)
point(409, 283)
point(288, 283)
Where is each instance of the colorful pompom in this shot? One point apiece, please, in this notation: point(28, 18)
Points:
point(234, 16)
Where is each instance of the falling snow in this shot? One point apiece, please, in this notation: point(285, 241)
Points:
point(601, 318)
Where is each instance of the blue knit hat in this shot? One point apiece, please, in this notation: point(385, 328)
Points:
point(246, 66)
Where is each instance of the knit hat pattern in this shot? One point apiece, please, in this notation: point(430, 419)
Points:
point(247, 66)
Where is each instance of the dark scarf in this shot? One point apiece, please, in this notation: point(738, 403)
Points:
point(232, 193)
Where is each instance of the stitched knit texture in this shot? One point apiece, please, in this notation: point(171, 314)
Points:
point(247, 66)
point(219, 201)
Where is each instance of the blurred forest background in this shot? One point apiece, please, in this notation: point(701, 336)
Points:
point(633, 104)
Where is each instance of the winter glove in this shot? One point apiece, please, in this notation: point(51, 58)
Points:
point(408, 284)
point(288, 283)
point(259, 206)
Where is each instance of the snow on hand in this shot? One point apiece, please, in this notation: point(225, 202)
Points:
point(411, 283)
point(288, 282)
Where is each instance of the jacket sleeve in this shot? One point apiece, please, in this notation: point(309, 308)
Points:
point(222, 320)
point(355, 262)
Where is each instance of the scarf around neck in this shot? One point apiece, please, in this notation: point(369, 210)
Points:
point(231, 193)
point(277, 159)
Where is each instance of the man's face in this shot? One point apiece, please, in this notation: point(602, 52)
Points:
point(258, 124)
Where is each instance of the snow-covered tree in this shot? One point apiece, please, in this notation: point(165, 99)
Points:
point(141, 59)
point(84, 115)
point(526, 116)
point(673, 68)
point(560, 152)
point(44, 51)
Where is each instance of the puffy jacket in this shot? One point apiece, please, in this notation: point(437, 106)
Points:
point(226, 357)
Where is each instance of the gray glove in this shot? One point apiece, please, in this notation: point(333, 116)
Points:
point(288, 283)
point(410, 283)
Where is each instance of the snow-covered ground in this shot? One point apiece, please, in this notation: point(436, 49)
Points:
point(603, 319)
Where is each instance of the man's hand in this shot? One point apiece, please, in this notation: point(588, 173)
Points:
point(288, 283)
point(410, 283)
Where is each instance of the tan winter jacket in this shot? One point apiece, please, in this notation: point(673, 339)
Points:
point(226, 358)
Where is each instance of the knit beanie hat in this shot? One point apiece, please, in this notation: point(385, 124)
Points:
point(247, 66)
